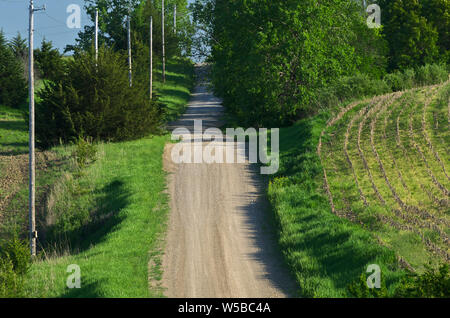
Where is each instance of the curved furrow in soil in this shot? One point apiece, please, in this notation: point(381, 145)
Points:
point(405, 207)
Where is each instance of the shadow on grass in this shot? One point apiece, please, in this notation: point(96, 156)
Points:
point(322, 250)
point(173, 93)
point(17, 148)
point(17, 125)
point(89, 290)
point(104, 218)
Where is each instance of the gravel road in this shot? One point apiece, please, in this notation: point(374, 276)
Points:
point(220, 242)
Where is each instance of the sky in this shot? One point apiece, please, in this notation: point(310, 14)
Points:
point(50, 23)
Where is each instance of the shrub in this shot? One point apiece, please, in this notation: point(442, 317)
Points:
point(431, 284)
point(85, 152)
point(394, 81)
point(408, 78)
point(359, 289)
point(431, 74)
point(93, 99)
point(13, 87)
point(14, 266)
point(358, 86)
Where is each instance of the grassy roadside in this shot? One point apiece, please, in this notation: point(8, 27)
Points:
point(125, 186)
point(13, 132)
point(112, 213)
point(175, 93)
point(325, 253)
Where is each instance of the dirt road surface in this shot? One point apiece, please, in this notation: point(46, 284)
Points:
point(220, 241)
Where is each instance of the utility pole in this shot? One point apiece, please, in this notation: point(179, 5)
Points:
point(163, 45)
point(151, 57)
point(129, 46)
point(96, 35)
point(32, 158)
point(175, 19)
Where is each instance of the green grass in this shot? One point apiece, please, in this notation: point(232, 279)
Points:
point(13, 132)
point(326, 253)
point(175, 93)
point(108, 218)
point(126, 184)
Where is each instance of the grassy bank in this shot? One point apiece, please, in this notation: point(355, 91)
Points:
point(326, 253)
point(107, 217)
point(377, 203)
point(13, 132)
point(176, 91)
point(124, 190)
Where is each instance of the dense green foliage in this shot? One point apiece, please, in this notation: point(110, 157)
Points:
point(94, 99)
point(13, 87)
point(355, 87)
point(49, 61)
point(19, 47)
point(271, 57)
point(417, 31)
point(433, 283)
point(14, 266)
point(273, 60)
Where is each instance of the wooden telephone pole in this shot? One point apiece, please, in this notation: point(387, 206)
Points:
point(175, 19)
point(151, 57)
point(130, 78)
point(163, 45)
point(96, 35)
point(32, 158)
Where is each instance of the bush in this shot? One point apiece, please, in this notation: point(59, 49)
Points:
point(431, 284)
point(355, 87)
point(431, 74)
point(394, 81)
point(13, 87)
point(93, 99)
point(359, 289)
point(359, 85)
point(14, 266)
point(85, 152)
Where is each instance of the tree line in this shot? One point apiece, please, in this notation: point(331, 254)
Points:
point(85, 97)
point(273, 59)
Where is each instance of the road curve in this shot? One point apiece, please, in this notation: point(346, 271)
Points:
point(220, 242)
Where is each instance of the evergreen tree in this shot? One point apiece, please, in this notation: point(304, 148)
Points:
point(49, 61)
point(19, 47)
point(13, 87)
point(93, 99)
